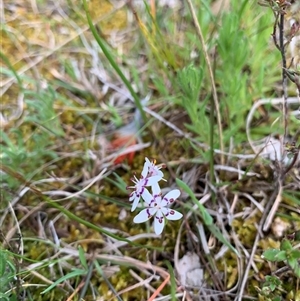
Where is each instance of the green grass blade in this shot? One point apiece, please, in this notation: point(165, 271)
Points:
point(206, 217)
point(75, 273)
point(112, 62)
point(7, 62)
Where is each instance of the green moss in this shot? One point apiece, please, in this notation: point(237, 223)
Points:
point(246, 230)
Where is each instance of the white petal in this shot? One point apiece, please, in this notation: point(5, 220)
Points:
point(135, 203)
point(170, 197)
point(153, 180)
point(155, 189)
point(147, 196)
point(154, 170)
point(171, 214)
point(132, 196)
point(159, 173)
point(141, 217)
point(147, 164)
point(174, 194)
point(152, 211)
point(159, 223)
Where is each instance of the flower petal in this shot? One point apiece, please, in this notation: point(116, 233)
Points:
point(151, 211)
point(170, 197)
point(135, 200)
point(141, 217)
point(159, 223)
point(171, 214)
point(152, 180)
point(144, 215)
point(146, 167)
point(132, 196)
point(147, 196)
point(154, 170)
point(155, 189)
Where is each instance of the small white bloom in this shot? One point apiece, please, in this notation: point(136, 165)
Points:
point(151, 174)
point(152, 169)
point(159, 208)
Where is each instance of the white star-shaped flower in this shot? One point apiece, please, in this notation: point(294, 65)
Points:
point(158, 207)
point(151, 175)
point(152, 169)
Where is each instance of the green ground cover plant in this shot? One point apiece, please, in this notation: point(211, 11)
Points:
point(207, 90)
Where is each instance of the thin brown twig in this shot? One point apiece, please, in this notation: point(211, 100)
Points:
point(160, 288)
point(284, 76)
point(272, 206)
point(81, 284)
point(247, 270)
point(279, 23)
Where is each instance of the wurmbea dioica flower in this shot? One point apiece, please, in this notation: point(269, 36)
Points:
point(151, 175)
point(153, 170)
point(158, 207)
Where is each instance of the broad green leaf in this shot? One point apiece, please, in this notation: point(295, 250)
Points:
point(293, 263)
point(281, 256)
point(295, 254)
point(285, 245)
point(297, 271)
point(270, 254)
point(273, 282)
